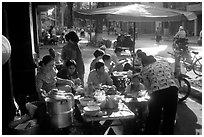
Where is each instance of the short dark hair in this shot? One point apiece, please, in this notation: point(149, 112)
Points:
point(106, 57)
point(72, 36)
point(138, 51)
point(98, 53)
point(146, 60)
point(118, 49)
point(46, 59)
point(98, 65)
point(70, 63)
point(52, 52)
point(141, 54)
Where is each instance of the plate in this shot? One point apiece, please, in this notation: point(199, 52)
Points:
point(119, 74)
point(91, 108)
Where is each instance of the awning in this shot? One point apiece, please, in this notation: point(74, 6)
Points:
point(136, 13)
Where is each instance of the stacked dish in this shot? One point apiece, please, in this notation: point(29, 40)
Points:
point(85, 100)
point(92, 110)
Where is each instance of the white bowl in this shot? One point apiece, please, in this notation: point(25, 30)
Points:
point(84, 101)
point(91, 110)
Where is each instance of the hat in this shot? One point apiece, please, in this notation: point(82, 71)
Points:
point(72, 36)
point(181, 27)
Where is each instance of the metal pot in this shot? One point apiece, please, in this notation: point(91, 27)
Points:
point(59, 106)
point(62, 120)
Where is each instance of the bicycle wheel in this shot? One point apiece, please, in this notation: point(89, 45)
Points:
point(184, 89)
point(197, 67)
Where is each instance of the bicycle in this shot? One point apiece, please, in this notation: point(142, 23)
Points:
point(184, 85)
point(190, 63)
point(195, 64)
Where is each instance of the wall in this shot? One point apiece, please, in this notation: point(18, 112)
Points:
point(17, 29)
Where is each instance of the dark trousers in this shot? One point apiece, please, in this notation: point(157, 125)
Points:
point(162, 103)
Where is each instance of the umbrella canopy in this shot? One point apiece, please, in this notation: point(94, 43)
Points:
point(136, 13)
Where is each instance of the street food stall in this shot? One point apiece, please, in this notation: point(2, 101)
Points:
point(67, 113)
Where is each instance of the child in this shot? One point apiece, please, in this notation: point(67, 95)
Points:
point(98, 55)
point(135, 86)
point(139, 108)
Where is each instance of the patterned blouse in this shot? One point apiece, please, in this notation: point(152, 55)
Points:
point(46, 81)
point(159, 75)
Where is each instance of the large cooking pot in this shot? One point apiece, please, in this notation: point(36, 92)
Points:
point(62, 120)
point(59, 105)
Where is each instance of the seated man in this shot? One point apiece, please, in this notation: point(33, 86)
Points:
point(118, 59)
point(99, 76)
point(180, 38)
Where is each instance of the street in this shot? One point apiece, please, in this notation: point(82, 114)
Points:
point(189, 118)
point(189, 113)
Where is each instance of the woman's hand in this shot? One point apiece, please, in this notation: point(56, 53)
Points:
point(77, 81)
point(70, 83)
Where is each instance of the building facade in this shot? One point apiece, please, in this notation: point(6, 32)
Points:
point(169, 28)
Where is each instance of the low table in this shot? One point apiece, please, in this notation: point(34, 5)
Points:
point(120, 113)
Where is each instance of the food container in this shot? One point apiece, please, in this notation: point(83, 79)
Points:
point(85, 100)
point(100, 98)
point(56, 104)
point(59, 107)
point(62, 120)
point(91, 110)
point(99, 95)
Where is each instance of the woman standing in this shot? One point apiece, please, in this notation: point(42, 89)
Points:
point(71, 51)
point(159, 80)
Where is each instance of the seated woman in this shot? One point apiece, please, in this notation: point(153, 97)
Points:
point(99, 76)
point(70, 72)
point(46, 78)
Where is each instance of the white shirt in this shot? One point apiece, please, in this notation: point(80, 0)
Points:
point(180, 34)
